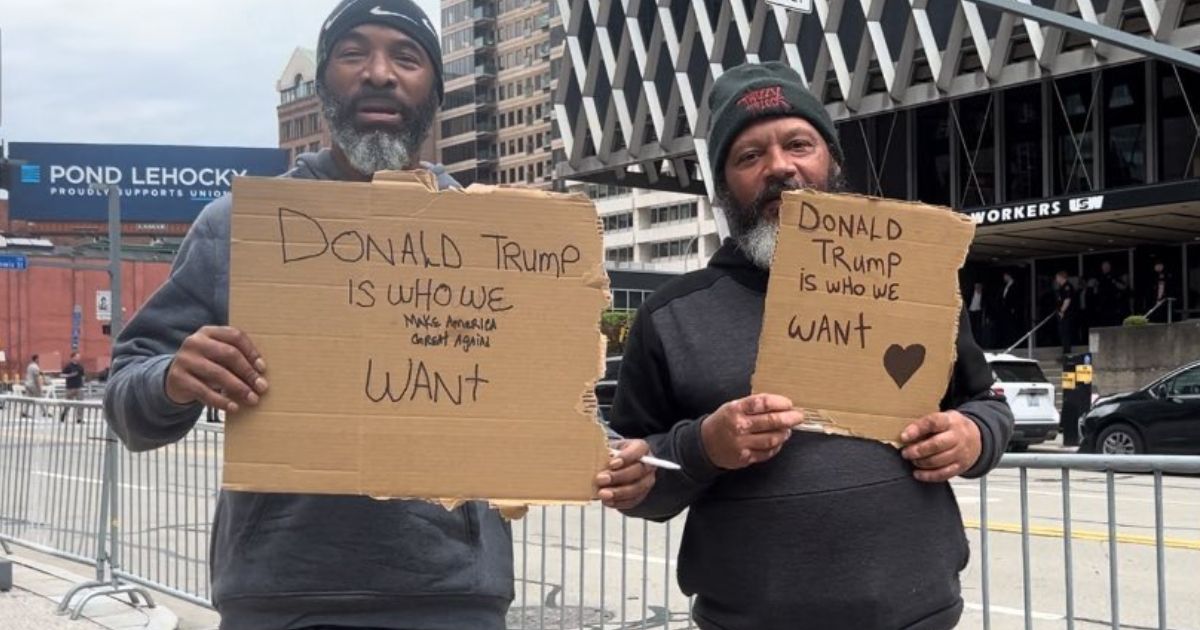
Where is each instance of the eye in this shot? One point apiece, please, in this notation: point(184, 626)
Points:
point(746, 157)
point(799, 144)
point(407, 59)
point(351, 53)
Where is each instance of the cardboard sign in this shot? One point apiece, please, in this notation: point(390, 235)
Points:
point(862, 311)
point(419, 344)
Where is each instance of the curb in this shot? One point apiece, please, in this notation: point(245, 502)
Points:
point(53, 583)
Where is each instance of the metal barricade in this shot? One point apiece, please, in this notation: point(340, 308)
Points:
point(589, 567)
point(166, 504)
point(51, 475)
point(56, 489)
point(1092, 548)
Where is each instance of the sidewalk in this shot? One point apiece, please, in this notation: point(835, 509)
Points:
point(38, 587)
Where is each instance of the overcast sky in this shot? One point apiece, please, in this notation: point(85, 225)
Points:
point(197, 72)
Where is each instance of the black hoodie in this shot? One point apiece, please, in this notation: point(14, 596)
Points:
point(833, 532)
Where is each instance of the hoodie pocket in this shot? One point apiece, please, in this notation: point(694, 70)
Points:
point(390, 546)
point(876, 556)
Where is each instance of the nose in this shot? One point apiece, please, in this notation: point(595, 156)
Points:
point(379, 71)
point(779, 165)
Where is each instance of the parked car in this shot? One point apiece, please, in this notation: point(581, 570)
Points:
point(606, 387)
point(1030, 396)
point(1162, 417)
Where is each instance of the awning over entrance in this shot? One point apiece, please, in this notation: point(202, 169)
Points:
point(1151, 215)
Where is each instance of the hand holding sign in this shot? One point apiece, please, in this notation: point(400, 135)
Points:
point(749, 430)
point(218, 366)
point(862, 311)
point(941, 445)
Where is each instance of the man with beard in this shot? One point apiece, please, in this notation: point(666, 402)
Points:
point(791, 529)
point(284, 561)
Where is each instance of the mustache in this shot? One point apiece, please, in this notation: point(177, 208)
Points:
point(368, 93)
point(773, 191)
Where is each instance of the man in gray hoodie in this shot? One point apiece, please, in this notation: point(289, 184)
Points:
point(285, 561)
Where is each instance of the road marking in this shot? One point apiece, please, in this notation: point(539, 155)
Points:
point(637, 557)
point(1081, 494)
point(85, 480)
point(1015, 612)
point(1083, 534)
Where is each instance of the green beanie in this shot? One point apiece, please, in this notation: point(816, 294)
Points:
point(752, 92)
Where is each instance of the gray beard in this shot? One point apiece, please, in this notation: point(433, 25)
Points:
point(758, 243)
point(372, 151)
point(375, 150)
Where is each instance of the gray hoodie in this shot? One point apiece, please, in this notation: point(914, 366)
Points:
point(282, 561)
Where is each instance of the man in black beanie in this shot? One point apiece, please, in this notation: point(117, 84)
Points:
point(290, 561)
point(788, 529)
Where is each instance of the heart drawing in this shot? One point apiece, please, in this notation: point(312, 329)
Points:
point(901, 363)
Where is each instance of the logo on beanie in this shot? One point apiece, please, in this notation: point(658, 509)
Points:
point(764, 99)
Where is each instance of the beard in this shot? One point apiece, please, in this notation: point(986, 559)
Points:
point(377, 149)
point(756, 233)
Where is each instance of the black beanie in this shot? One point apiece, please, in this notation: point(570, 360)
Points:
point(402, 15)
point(754, 91)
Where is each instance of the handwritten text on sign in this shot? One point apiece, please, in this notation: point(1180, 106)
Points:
point(441, 307)
point(862, 310)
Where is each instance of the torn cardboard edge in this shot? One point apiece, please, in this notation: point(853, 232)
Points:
point(595, 276)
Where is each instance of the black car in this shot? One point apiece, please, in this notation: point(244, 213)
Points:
point(1163, 417)
point(606, 387)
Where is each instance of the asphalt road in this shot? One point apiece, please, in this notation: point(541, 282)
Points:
point(579, 564)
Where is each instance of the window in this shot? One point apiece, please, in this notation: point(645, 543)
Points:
point(1186, 384)
point(459, 152)
point(602, 191)
point(933, 154)
point(619, 254)
point(459, 68)
point(456, 13)
point(1125, 125)
point(673, 249)
point(673, 213)
point(539, 170)
point(1023, 143)
point(459, 98)
point(313, 147)
point(458, 125)
point(1074, 118)
point(876, 154)
point(618, 222)
point(976, 144)
point(457, 41)
point(1178, 108)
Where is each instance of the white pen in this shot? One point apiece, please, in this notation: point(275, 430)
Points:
point(651, 460)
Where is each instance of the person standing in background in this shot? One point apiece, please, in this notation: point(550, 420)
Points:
point(73, 373)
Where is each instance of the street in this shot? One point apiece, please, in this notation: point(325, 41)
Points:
point(574, 562)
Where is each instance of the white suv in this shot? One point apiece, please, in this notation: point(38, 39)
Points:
point(1029, 395)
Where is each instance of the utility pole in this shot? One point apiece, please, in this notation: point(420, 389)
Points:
point(114, 253)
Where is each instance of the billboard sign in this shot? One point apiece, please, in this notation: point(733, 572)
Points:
point(159, 184)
